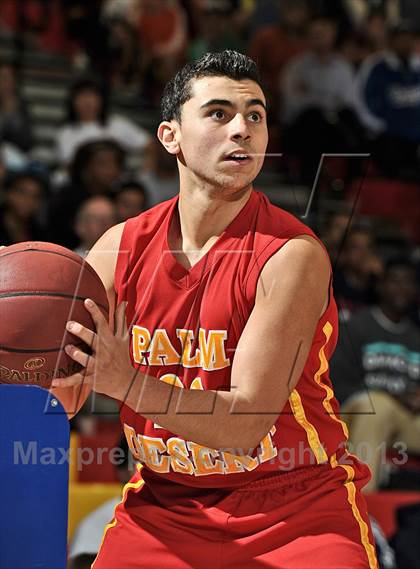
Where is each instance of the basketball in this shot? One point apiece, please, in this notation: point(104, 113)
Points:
point(42, 287)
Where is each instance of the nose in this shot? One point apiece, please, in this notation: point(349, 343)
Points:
point(239, 128)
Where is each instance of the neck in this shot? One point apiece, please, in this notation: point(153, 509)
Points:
point(92, 186)
point(393, 315)
point(203, 217)
point(88, 120)
point(323, 56)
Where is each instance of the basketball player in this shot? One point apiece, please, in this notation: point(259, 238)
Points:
point(226, 399)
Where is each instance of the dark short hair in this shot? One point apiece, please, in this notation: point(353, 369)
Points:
point(227, 63)
point(87, 151)
point(322, 17)
point(13, 179)
point(81, 85)
point(127, 182)
point(362, 226)
point(401, 261)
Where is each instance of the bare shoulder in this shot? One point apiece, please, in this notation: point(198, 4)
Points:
point(302, 254)
point(110, 237)
point(300, 266)
point(103, 255)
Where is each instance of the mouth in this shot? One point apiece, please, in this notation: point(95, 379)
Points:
point(238, 158)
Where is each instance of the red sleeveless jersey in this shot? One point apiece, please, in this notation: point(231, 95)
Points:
point(186, 325)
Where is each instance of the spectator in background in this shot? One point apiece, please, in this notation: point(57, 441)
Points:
point(15, 122)
point(24, 196)
point(264, 13)
point(409, 10)
point(94, 216)
point(274, 45)
point(336, 10)
point(130, 199)
point(88, 119)
point(355, 47)
point(216, 30)
point(334, 231)
point(95, 168)
point(389, 106)
point(83, 25)
point(376, 371)
point(161, 176)
point(318, 101)
point(376, 29)
point(125, 56)
point(357, 268)
point(162, 30)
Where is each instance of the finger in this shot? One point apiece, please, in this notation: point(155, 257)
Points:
point(88, 336)
point(120, 320)
point(80, 357)
point(71, 381)
point(97, 316)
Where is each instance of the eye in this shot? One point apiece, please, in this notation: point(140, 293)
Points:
point(255, 116)
point(218, 114)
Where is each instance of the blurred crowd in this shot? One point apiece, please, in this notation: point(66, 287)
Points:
point(342, 77)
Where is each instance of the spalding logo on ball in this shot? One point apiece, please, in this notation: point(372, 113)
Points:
point(42, 287)
point(34, 363)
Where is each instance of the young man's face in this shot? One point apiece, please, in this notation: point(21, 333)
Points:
point(223, 133)
point(398, 289)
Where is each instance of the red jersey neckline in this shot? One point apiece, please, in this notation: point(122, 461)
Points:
point(187, 278)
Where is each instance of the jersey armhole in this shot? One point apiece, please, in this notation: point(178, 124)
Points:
point(258, 265)
point(265, 255)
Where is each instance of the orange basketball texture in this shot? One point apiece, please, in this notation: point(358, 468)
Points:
point(42, 286)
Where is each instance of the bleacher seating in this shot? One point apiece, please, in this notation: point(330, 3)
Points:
point(390, 199)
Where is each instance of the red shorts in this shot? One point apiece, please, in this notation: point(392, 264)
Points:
point(315, 517)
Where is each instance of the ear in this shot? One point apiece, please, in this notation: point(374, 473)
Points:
point(168, 134)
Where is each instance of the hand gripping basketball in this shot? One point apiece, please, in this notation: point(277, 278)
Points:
point(108, 369)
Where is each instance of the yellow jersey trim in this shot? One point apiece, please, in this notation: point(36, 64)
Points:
point(323, 367)
point(311, 432)
point(113, 523)
point(351, 498)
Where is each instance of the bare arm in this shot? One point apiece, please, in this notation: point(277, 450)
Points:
point(291, 296)
point(103, 258)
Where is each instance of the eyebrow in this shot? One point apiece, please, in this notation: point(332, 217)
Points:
point(226, 103)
